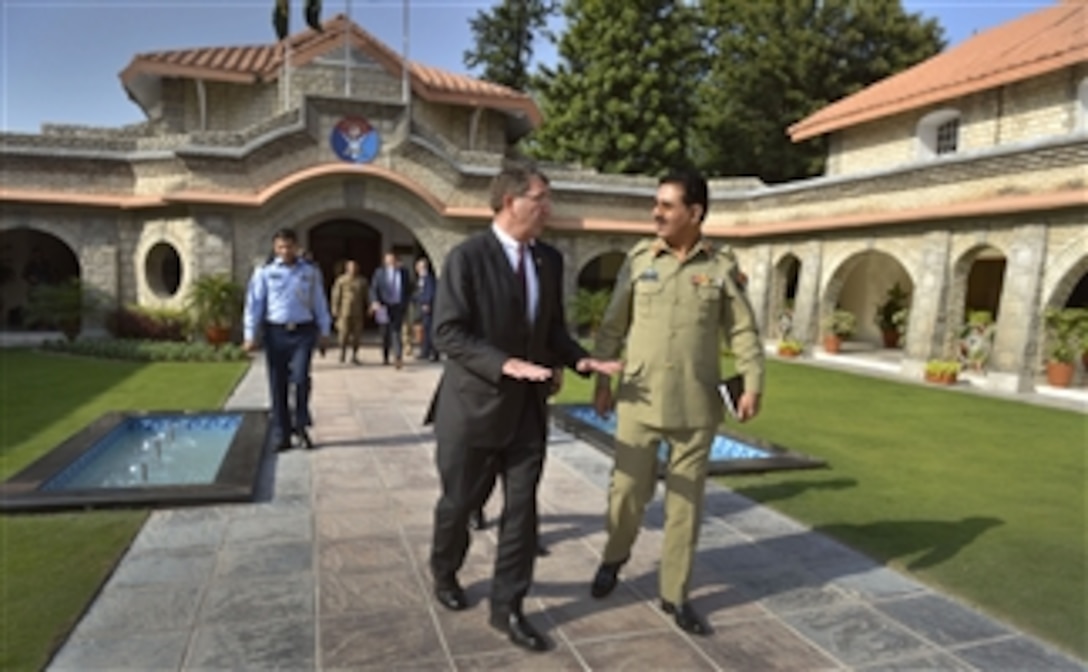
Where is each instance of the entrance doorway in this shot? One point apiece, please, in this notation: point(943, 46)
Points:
point(335, 242)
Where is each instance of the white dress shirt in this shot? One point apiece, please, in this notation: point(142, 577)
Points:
point(532, 282)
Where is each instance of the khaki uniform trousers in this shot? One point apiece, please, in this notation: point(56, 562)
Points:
point(633, 480)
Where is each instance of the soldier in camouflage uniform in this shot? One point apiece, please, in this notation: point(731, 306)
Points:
point(674, 300)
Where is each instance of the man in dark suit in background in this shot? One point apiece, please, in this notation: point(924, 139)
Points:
point(391, 289)
point(426, 289)
point(497, 318)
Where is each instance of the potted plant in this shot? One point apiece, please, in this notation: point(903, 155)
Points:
point(215, 302)
point(588, 308)
point(838, 326)
point(977, 339)
point(942, 371)
point(789, 347)
point(1063, 330)
point(888, 316)
point(62, 305)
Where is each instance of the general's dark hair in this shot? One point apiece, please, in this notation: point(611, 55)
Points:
point(513, 180)
point(694, 185)
point(285, 234)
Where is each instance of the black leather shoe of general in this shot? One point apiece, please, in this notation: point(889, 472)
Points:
point(604, 582)
point(686, 618)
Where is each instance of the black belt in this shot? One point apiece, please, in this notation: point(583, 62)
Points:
point(291, 326)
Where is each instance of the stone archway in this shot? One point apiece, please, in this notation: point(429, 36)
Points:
point(358, 198)
point(600, 272)
point(862, 284)
point(30, 258)
point(787, 277)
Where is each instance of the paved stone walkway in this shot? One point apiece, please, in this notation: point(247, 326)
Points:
point(328, 572)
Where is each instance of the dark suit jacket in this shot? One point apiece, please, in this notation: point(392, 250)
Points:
point(381, 291)
point(479, 323)
point(425, 291)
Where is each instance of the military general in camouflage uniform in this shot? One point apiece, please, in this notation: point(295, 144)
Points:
point(349, 298)
point(674, 300)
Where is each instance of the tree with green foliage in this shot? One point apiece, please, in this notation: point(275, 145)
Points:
point(775, 63)
point(503, 39)
point(281, 17)
point(620, 98)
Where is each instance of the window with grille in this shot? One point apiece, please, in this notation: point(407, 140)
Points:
point(948, 135)
point(938, 133)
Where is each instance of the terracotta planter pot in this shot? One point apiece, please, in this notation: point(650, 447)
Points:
point(786, 352)
point(890, 338)
point(1059, 374)
point(217, 336)
point(832, 344)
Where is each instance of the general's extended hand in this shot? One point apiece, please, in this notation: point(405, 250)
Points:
point(609, 367)
point(519, 369)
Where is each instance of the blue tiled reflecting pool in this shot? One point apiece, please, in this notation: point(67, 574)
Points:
point(730, 453)
point(146, 459)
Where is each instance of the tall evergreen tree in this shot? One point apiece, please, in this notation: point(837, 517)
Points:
point(620, 98)
point(504, 40)
point(281, 17)
point(775, 63)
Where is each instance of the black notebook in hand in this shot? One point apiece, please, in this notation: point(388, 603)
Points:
point(731, 390)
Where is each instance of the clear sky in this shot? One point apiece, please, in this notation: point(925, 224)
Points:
point(60, 59)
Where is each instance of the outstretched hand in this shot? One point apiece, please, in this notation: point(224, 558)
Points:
point(605, 367)
point(519, 369)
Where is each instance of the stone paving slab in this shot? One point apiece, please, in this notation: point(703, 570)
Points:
point(327, 571)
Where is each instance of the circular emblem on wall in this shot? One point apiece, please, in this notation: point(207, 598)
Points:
point(355, 140)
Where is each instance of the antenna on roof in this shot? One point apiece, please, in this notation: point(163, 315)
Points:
point(347, 51)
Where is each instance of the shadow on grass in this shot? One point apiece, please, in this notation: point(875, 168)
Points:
point(778, 491)
point(937, 540)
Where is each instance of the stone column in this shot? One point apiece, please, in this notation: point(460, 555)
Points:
point(806, 306)
point(1015, 344)
point(760, 281)
point(99, 267)
point(928, 327)
point(213, 246)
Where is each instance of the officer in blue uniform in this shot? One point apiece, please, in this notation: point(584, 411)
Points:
point(286, 302)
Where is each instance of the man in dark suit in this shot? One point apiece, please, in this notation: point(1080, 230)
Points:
point(426, 289)
point(390, 290)
point(497, 316)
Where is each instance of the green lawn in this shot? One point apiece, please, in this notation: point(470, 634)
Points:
point(980, 497)
point(52, 565)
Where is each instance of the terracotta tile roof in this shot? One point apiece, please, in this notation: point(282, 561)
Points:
point(264, 63)
point(1035, 44)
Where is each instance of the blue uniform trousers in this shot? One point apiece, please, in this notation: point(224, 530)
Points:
point(288, 353)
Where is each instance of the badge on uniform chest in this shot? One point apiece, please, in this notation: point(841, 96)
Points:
point(703, 280)
point(649, 275)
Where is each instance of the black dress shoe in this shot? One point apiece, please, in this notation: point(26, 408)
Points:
point(304, 438)
point(542, 550)
point(283, 445)
point(606, 579)
point(477, 520)
point(686, 618)
point(519, 630)
point(451, 597)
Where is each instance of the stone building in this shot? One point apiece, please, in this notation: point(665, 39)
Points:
point(962, 180)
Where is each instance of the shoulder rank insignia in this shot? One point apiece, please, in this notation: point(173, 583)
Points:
point(739, 278)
